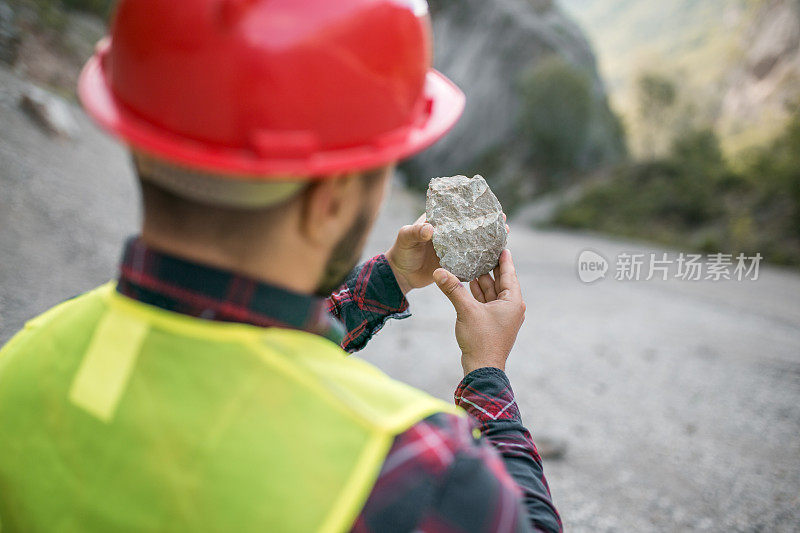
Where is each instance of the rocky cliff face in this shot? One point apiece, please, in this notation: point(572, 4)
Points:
point(764, 87)
point(736, 63)
point(487, 47)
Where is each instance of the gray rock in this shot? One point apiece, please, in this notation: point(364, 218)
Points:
point(469, 225)
point(49, 111)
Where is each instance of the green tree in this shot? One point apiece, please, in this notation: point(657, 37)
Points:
point(656, 98)
point(557, 110)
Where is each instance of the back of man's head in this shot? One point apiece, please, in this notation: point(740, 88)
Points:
point(241, 224)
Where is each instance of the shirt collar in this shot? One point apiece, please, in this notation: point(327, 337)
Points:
point(157, 278)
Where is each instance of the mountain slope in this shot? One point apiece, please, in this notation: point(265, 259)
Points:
point(737, 62)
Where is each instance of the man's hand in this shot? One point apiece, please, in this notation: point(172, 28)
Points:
point(412, 256)
point(487, 320)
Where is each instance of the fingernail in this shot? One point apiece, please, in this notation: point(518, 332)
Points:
point(440, 276)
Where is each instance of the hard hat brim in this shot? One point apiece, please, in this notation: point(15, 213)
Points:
point(444, 103)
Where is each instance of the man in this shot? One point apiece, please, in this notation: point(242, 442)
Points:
point(206, 389)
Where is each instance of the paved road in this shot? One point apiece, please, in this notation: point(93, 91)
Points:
point(680, 401)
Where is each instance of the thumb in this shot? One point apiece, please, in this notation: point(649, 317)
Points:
point(411, 235)
point(453, 289)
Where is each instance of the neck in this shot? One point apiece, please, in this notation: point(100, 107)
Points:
point(274, 262)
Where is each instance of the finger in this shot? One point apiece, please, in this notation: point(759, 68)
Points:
point(508, 228)
point(425, 232)
point(476, 290)
point(487, 286)
point(508, 282)
point(414, 233)
point(453, 289)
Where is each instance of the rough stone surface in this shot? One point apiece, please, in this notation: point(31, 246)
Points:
point(469, 225)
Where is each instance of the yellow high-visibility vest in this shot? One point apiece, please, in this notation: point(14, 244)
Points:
point(120, 416)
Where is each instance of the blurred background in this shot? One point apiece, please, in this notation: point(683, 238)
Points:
point(636, 126)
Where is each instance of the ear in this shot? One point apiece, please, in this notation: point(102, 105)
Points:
point(329, 205)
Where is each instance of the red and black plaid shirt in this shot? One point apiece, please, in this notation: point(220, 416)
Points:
point(445, 473)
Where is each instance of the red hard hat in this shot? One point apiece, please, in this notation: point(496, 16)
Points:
point(271, 87)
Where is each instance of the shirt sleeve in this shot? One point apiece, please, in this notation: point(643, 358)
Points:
point(449, 473)
point(438, 476)
point(486, 394)
point(368, 298)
